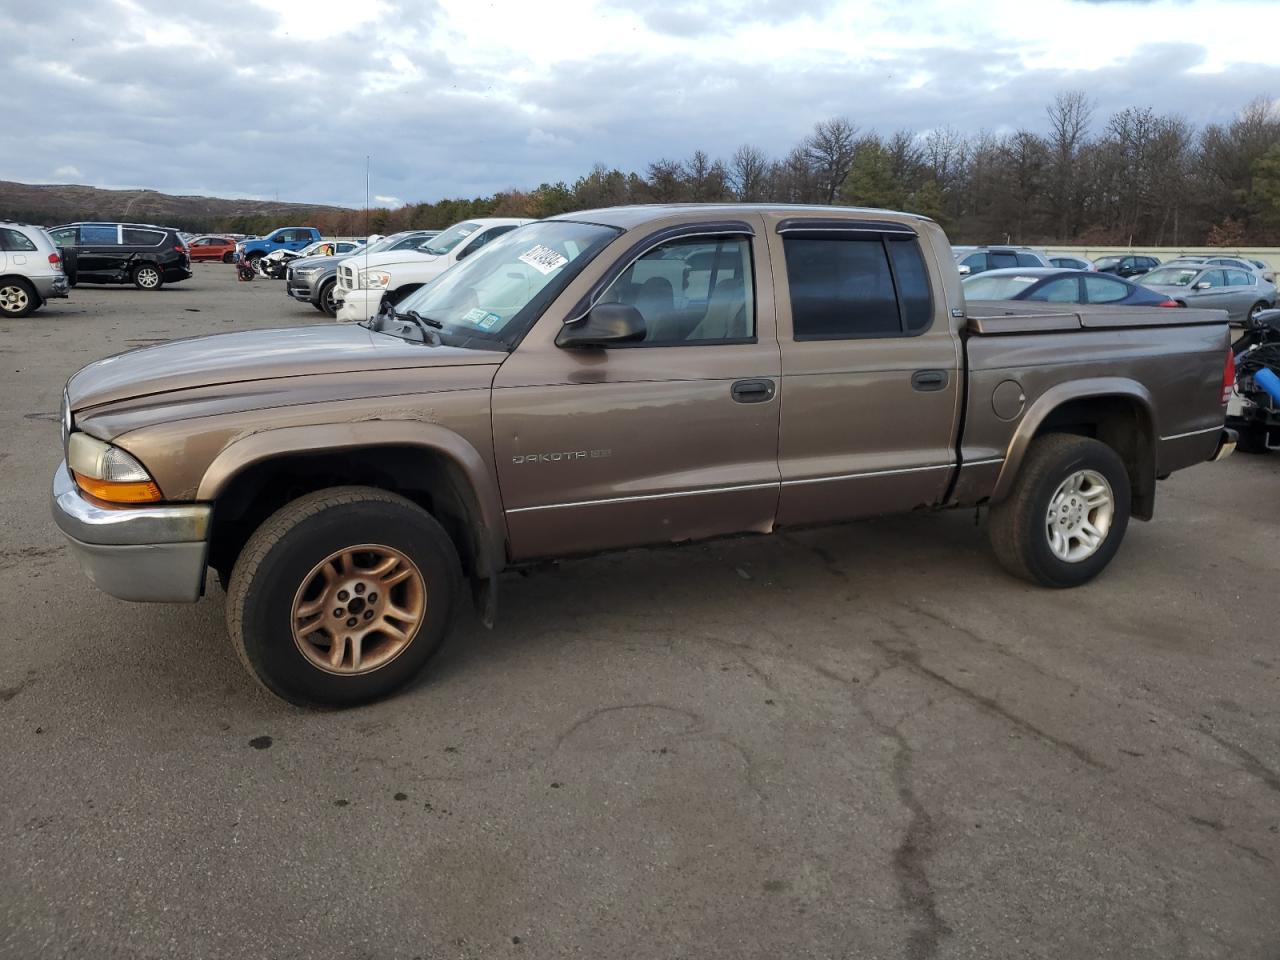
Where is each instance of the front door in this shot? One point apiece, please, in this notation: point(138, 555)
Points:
point(99, 255)
point(668, 439)
point(870, 371)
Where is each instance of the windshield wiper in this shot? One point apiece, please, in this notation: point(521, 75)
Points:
point(426, 327)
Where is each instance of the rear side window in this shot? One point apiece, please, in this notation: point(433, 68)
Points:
point(856, 288)
point(1003, 259)
point(1028, 260)
point(99, 233)
point(137, 237)
point(15, 241)
point(1238, 278)
point(1103, 290)
point(1061, 290)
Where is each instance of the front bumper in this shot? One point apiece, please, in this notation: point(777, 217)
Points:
point(148, 554)
point(299, 286)
point(359, 305)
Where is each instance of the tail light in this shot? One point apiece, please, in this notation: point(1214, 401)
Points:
point(55, 261)
point(1228, 376)
point(1169, 303)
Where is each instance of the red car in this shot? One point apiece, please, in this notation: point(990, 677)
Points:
point(213, 248)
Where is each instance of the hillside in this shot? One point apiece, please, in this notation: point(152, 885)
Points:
point(50, 204)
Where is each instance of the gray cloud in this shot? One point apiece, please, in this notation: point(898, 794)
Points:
point(244, 111)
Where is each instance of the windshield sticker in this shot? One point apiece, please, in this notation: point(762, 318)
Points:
point(481, 318)
point(543, 259)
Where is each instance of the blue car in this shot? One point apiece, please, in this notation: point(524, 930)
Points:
point(1052, 285)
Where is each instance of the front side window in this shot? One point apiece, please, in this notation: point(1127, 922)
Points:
point(487, 236)
point(1212, 278)
point(1061, 290)
point(1170, 277)
point(489, 300)
point(92, 234)
point(845, 288)
point(694, 290)
point(1103, 290)
point(135, 237)
point(15, 241)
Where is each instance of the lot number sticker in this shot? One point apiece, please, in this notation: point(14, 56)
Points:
point(481, 318)
point(543, 259)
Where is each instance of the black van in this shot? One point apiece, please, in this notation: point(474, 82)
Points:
point(139, 253)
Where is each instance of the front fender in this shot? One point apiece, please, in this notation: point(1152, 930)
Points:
point(315, 438)
point(1051, 400)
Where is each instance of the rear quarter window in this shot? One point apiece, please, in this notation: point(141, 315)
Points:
point(15, 241)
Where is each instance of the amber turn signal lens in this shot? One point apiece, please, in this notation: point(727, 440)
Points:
point(117, 492)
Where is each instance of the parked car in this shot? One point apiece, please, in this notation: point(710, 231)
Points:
point(1242, 293)
point(971, 260)
point(213, 248)
point(1240, 263)
point(1052, 285)
point(365, 282)
point(143, 254)
point(605, 380)
point(313, 279)
point(1071, 263)
point(31, 271)
point(275, 264)
point(285, 238)
point(1126, 265)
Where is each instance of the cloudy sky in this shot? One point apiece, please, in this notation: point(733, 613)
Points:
point(264, 98)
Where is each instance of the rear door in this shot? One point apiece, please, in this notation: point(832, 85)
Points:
point(669, 439)
point(1243, 286)
point(870, 371)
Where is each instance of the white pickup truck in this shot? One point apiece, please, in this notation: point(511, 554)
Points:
point(364, 281)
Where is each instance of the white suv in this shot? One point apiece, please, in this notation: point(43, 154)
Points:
point(364, 280)
point(30, 269)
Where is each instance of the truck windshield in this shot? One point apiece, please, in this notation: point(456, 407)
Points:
point(489, 299)
point(987, 287)
point(442, 244)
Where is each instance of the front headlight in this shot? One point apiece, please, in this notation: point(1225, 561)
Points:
point(306, 271)
point(374, 279)
point(109, 474)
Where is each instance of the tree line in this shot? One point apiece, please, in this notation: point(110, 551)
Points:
point(1134, 177)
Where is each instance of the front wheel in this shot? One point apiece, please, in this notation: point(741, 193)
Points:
point(328, 302)
point(342, 596)
point(147, 276)
point(1067, 513)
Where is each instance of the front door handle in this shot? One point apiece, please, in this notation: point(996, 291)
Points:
point(928, 380)
point(752, 391)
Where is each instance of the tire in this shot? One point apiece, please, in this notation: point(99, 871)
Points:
point(1020, 535)
point(326, 302)
point(278, 574)
point(147, 276)
point(1256, 309)
point(229, 257)
point(17, 298)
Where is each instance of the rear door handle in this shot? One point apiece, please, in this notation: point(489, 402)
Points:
point(752, 391)
point(929, 380)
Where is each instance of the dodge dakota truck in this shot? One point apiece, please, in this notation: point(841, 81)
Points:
point(609, 379)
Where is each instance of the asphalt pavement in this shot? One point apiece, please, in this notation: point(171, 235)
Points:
point(859, 742)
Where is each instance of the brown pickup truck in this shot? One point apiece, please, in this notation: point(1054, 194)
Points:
point(613, 378)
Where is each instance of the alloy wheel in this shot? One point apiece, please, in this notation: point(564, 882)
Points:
point(1080, 515)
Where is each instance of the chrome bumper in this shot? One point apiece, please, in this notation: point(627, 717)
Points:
point(149, 554)
point(1226, 445)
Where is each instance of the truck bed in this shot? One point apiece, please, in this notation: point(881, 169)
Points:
point(1001, 317)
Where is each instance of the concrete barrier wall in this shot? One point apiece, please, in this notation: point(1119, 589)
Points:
point(1270, 255)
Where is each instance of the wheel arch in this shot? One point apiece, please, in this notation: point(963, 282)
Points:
point(435, 467)
point(1118, 411)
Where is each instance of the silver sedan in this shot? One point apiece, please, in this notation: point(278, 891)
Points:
point(1242, 293)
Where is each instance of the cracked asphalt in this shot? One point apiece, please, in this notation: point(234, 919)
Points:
point(860, 742)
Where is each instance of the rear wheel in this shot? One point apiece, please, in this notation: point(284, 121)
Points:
point(341, 596)
point(1256, 309)
point(1067, 513)
point(147, 276)
point(17, 297)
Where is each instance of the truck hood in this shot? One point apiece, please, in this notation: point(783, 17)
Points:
point(231, 358)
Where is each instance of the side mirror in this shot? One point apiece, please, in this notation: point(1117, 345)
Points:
point(1202, 285)
point(604, 324)
point(964, 269)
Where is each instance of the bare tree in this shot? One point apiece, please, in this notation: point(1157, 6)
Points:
point(666, 181)
point(1069, 117)
point(748, 170)
point(830, 150)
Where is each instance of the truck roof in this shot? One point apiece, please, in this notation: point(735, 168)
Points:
point(640, 213)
